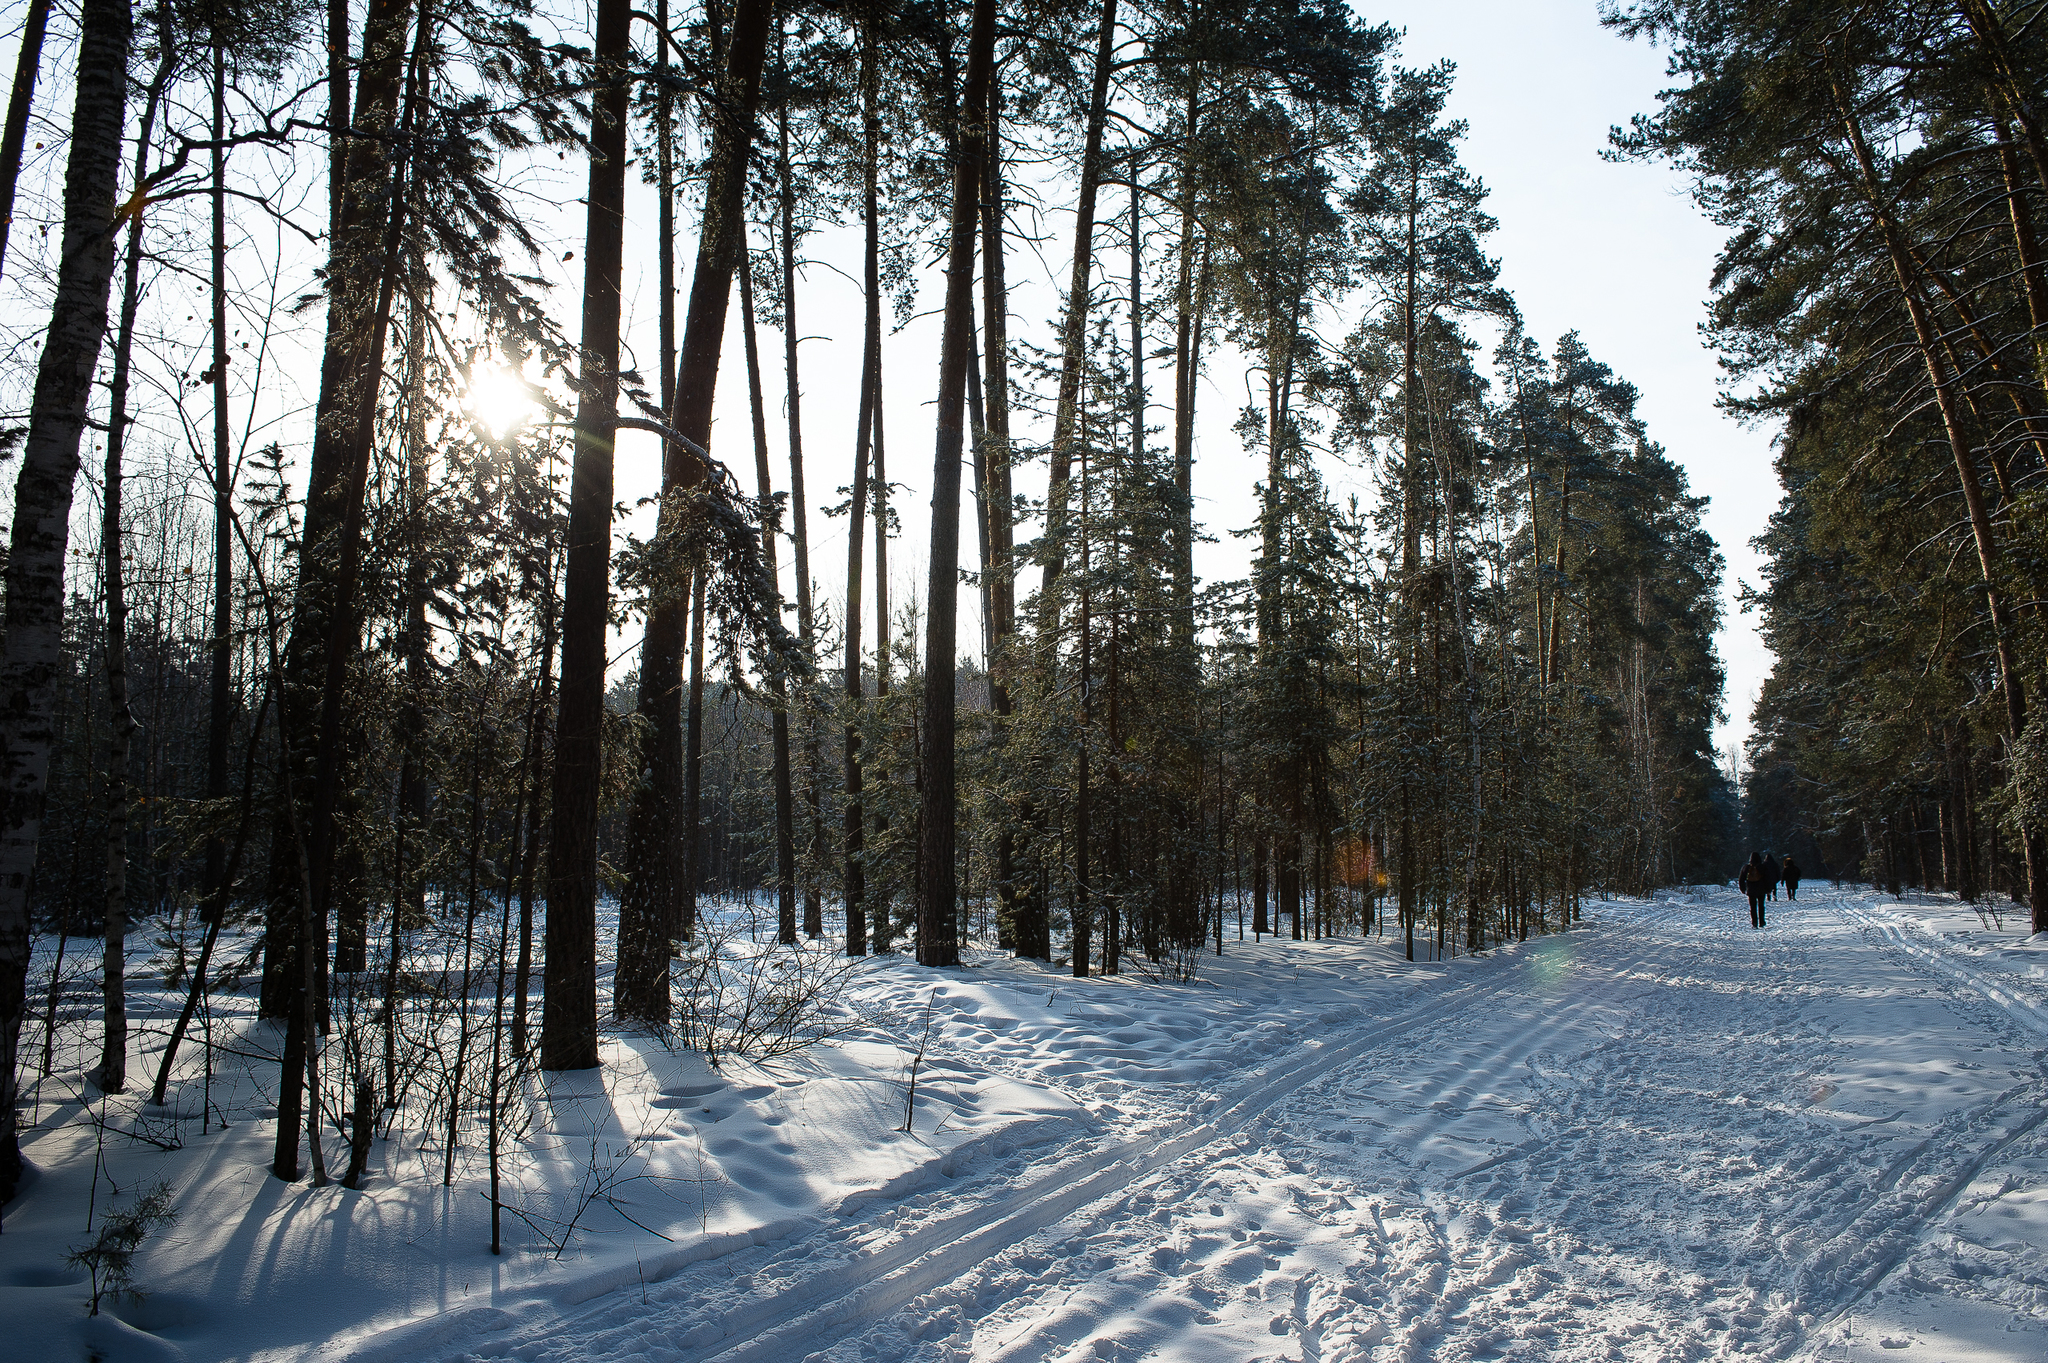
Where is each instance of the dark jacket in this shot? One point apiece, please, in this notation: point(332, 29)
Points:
point(1750, 879)
point(1789, 872)
point(1770, 872)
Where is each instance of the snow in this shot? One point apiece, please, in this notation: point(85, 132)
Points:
point(1657, 1135)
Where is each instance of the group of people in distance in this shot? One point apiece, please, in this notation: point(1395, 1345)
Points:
point(1759, 879)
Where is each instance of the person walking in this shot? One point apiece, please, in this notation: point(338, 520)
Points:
point(1752, 883)
point(1789, 873)
point(1770, 876)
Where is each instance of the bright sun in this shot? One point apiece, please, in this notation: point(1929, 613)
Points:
point(498, 398)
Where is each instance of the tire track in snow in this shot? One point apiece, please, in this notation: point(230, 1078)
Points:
point(813, 1310)
point(872, 1286)
point(1316, 1305)
point(2023, 1010)
point(1452, 1277)
point(1888, 1233)
point(1449, 1286)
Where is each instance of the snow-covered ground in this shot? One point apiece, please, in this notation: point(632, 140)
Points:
point(1659, 1135)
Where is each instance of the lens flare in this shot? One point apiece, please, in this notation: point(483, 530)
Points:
point(498, 399)
point(1553, 962)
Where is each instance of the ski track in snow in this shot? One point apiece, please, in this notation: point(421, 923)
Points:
point(1658, 1136)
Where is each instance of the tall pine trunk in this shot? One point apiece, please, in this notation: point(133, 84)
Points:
point(1411, 566)
point(568, 1038)
point(937, 936)
point(806, 619)
point(647, 906)
point(330, 569)
point(1074, 322)
point(721, 236)
point(689, 846)
point(2026, 248)
point(1925, 333)
point(32, 648)
point(1187, 346)
point(220, 648)
point(409, 821)
point(854, 828)
point(778, 677)
point(363, 209)
point(536, 821)
point(1023, 905)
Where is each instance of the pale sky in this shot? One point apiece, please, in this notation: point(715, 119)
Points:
point(1618, 252)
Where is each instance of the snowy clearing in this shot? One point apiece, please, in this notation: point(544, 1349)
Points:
point(1659, 1135)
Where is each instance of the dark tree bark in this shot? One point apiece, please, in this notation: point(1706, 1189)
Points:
point(536, 824)
point(1190, 296)
point(409, 819)
point(2010, 81)
point(1022, 902)
point(1084, 809)
point(2026, 247)
point(350, 370)
point(31, 651)
point(689, 848)
point(778, 678)
point(220, 655)
point(937, 934)
point(854, 883)
point(721, 237)
point(806, 619)
point(327, 624)
point(665, 221)
point(112, 1072)
point(569, 1004)
point(1074, 322)
point(27, 65)
point(1925, 332)
point(648, 914)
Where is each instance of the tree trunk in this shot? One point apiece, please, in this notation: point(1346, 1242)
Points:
point(665, 219)
point(647, 904)
point(1074, 322)
point(2010, 81)
point(409, 819)
point(32, 648)
point(536, 820)
point(220, 648)
point(937, 938)
point(778, 678)
point(569, 1001)
point(654, 900)
point(1022, 904)
point(806, 618)
point(1187, 358)
point(1261, 924)
point(691, 844)
point(27, 65)
point(2026, 247)
point(854, 882)
point(351, 370)
point(112, 1074)
point(1938, 376)
point(1084, 812)
point(878, 485)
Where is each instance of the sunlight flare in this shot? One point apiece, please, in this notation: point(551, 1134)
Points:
point(498, 398)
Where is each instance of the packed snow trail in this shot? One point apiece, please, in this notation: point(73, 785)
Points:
point(1661, 1135)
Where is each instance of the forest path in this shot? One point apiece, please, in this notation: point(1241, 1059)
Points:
point(1660, 1135)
